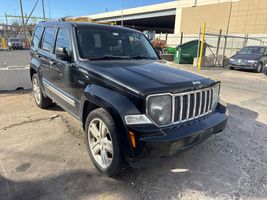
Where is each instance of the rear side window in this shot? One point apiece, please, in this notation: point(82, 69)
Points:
point(36, 37)
point(63, 39)
point(47, 39)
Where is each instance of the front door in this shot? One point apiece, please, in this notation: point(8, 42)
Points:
point(65, 73)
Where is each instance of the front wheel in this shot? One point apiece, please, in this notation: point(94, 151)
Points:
point(259, 68)
point(101, 139)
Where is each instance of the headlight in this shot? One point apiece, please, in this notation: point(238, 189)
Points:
point(252, 61)
point(159, 109)
point(215, 95)
point(232, 60)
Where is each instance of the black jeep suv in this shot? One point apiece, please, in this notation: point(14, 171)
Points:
point(130, 104)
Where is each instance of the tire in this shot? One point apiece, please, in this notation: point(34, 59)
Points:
point(40, 100)
point(103, 149)
point(259, 68)
point(231, 68)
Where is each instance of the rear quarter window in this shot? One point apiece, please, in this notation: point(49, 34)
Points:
point(36, 37)
point(47, 39)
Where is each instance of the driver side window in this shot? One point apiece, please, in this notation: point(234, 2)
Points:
point(63, 39)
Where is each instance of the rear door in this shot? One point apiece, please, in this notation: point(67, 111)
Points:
point(45, 52)
point(36, 38)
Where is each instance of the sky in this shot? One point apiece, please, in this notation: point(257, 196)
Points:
point(63, 8)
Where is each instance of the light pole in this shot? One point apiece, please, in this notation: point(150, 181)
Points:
point(122, 4)
point(22, 18)
point(43, 9)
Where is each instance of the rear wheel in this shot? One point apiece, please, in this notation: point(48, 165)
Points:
point(40, 100)
point(102, 142)
point(259, 68)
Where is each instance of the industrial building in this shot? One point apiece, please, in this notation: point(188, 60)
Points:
point(187, 16)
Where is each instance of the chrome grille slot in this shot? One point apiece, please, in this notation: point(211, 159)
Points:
point(192, 105)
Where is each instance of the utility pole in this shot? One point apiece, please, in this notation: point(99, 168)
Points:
point(6, 19)
point(22, 18)
point(43, 9)
point(22, 15)
point(122, 4)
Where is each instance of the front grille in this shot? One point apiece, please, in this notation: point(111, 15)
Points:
point(192, 105)
point(240, 62)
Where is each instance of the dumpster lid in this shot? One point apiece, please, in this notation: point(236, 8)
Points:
point(190, 43)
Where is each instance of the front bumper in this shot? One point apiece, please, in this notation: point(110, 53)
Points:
point(153, 144)
point(245, 66)
point(16, 46)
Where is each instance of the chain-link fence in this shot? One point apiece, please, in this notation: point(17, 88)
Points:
point(173, 40)
point(15, 45)
point(220, 47)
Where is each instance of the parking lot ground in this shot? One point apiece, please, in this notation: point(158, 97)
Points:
point(42, 154)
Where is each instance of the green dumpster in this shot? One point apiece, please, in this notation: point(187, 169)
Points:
point(186, 52)
point(171, 50)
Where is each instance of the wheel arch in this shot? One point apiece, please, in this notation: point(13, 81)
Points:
point(116, 104)
point(34, 65)
point(32, 72)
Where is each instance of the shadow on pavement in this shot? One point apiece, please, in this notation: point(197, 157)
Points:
point(229, 165)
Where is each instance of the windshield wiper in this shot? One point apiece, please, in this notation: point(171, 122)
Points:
point(107, 57)
point(142, 57)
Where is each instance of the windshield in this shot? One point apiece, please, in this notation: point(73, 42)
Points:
point(252, 50)
point(106, 44)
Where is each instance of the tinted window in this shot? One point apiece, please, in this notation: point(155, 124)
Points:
point(47, 39)
point(102, 43)
point(63, 39)
point(36, 37)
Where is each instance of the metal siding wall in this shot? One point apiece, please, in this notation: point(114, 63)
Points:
point(215, 15)
point(249, 16)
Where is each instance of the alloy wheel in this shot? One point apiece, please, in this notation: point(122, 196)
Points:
point(36, 90)
point(100, 143)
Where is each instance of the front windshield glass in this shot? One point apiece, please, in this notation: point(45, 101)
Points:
point(106, 44)
point(251, 50)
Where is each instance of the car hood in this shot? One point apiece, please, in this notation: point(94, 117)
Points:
point(146, 76)
point(247, 56)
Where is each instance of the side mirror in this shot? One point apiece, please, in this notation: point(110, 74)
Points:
point(61, 53)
